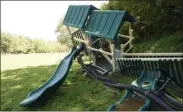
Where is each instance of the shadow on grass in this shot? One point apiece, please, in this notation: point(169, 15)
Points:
point(17, 83)
point(78, 92)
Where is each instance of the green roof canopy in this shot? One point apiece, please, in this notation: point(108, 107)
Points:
point(77, 15)
point(106, 23)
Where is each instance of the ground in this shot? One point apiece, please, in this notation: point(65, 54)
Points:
point(23, 73)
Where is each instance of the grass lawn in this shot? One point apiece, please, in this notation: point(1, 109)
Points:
point(25, 60)
point(78, 92)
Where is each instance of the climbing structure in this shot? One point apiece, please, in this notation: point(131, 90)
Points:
point(110, 52)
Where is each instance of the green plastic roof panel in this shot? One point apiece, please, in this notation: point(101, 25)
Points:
point(77, 15)
point(106, 23)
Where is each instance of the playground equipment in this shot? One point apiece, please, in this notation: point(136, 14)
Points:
point(97, 36)
point(39, 95)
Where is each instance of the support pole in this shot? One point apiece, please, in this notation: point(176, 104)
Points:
point(73, 42)
point(131, 35)
point(122, 49)
point(113, 57)
point(85, 38)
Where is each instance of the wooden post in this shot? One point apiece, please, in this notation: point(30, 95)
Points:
point(85, 38)
point(122, 48)
point(113, 57)
point(73, 42)
point(131, 34)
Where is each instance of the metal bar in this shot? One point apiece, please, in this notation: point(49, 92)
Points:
point(164, 85)
point(99, 67)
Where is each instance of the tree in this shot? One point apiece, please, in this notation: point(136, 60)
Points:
point(5, 42)
point(152, 16)
point(63, 35)
point(15, 44)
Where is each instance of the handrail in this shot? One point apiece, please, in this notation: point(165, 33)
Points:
point(152, 54)
point(148, 59)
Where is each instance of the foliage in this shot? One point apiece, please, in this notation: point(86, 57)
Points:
point(152, 16)
point(171, 43)
point(15, 44)
point(63, 35)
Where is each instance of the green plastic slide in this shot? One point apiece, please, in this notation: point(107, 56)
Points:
point(40, 95)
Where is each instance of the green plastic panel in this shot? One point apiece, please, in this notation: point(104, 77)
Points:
point(173, 70)
point(77, 15)
point(106, 23)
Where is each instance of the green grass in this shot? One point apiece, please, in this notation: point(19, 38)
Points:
point(25, 60)
point(171, 43)
point(78, 92)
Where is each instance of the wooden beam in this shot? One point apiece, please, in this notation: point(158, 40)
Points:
point(125, 36)
point(99, 50)
point(128, 42)
point(129, 49)
point(107, 57)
